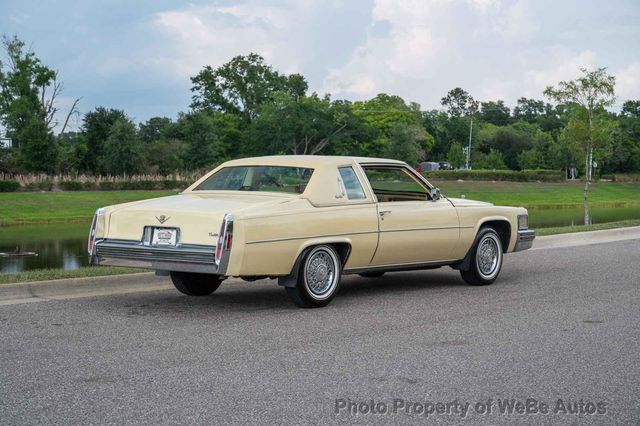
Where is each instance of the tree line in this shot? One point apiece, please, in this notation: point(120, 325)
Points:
point(247, 108)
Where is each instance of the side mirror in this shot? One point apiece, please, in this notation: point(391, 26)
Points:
point(435, 194)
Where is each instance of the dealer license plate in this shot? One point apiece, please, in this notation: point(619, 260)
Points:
point(164, 237)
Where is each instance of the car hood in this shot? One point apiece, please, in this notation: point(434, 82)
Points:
point(463, 202)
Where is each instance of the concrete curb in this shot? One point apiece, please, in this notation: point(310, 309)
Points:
point(148, 281)
point(586, 238)
point(83, 287)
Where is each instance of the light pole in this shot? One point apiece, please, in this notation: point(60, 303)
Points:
point(469, 148)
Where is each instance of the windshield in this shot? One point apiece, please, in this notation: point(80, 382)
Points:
point(258, 178)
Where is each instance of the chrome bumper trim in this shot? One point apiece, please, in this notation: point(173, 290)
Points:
point(525, 239)
point(135, 254)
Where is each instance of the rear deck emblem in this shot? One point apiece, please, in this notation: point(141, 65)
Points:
point(162, 218)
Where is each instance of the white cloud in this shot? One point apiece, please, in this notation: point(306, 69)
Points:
point(211, 35)
point(418, 49)
point(628, 83)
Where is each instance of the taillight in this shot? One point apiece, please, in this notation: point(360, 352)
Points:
point(92, 235)
point(225, 237)
point(92, 232)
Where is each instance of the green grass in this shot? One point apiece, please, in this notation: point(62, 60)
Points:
point(48, 207)
point(584, 228)
point(543, 195)
point(56, 274)
point(52, 207)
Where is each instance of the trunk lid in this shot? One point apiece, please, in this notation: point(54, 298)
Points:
point(197, 216)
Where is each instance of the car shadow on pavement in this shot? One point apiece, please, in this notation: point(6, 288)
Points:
point(266, 295)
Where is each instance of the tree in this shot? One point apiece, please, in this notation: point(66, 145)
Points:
point(72, 151)
point(491, 161)
point(408, 142)
point(166, 156)
point(529, 110)
point(625, 156)
point(123, 151)
point(29, 93)
point(153, 128)
point(456, 156)
point(383, 114)
point(509, 140)
point(590, 94)
point(297, 125)
point(241, 86)
point(208, 138)
point(495, 113)
point(96, 127)
point(459, 103)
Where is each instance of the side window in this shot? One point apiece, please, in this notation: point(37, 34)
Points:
point(395, 184)
point(351, 183)
point(392, 179)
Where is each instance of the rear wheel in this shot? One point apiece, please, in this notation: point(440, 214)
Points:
point(193, 284)
point(318, 278)
point(486, 259)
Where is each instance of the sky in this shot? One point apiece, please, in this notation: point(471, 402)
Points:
point(139, 55)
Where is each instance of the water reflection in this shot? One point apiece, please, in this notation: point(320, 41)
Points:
point(57, 245)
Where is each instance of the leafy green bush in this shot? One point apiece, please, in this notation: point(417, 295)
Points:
point(624, 177)
point(72, 185)
point(41, 185)
point(500, 175)
point(9, 186)
point(174, 184)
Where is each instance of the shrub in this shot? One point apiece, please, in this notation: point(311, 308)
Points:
point(40, 185)
point(626, 177)
point(9, 186)
point(500, 175)
point(71, 185)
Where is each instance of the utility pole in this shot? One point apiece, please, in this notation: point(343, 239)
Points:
point(469, 148)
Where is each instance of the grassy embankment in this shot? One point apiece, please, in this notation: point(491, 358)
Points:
point(543, 195)
point(51, 207)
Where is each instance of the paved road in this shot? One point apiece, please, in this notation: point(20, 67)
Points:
point(559, 324)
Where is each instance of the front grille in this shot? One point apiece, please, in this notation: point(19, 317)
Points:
point(135, 250)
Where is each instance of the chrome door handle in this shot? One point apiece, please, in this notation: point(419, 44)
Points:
point(384, 212)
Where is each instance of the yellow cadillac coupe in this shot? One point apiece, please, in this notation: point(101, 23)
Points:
point(307, 220)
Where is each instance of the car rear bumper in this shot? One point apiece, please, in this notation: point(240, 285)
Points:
point(135, 254)
point(525, 239)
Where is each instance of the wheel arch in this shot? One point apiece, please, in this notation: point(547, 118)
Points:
point(501, 225)
point(341, 245)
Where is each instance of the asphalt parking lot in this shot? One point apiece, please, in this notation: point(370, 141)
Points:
point(559, 324)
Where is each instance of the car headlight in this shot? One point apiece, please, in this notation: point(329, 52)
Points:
point(523, 221)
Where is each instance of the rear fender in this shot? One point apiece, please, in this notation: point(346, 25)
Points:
point(292, 279)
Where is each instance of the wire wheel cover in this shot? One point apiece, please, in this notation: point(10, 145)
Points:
point(488, 256)
point(320, 273)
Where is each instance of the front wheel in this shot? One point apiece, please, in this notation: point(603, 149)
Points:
point(193, 284)
point(318, 278)
point(486, 259)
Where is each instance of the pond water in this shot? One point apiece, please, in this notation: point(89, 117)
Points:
point(65, 245)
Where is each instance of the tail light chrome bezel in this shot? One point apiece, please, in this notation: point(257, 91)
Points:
point(225, 239)
point(91, 242)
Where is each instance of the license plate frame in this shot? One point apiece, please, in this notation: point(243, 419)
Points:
point(164, 237)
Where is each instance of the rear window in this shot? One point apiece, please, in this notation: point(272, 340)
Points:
point(258, 178)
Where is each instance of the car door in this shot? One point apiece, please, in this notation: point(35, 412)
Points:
point(412, 227)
